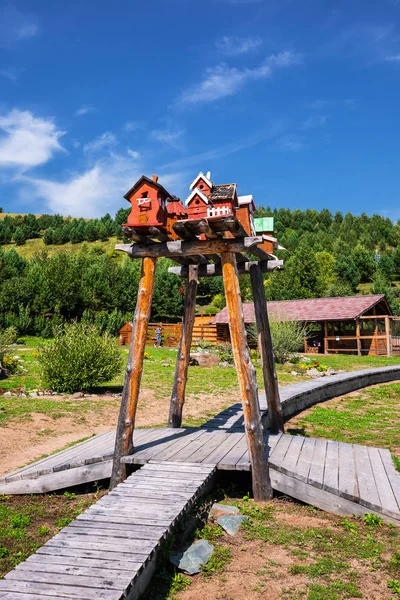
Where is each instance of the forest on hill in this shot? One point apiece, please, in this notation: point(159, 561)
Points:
point(326, 255)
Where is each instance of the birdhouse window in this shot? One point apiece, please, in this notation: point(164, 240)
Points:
point(197, 201)
point(144, 201)
point(201, 186)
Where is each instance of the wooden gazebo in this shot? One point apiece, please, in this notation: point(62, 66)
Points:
point(359, 325)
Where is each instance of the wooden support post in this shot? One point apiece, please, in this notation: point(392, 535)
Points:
point(267, 352)
point(262, 489)
point(133, 374)
point(325, 337)
point(358, 333)
point(389, 349)
point(182, 360)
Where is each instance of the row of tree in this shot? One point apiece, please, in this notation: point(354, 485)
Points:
point(58, 230)
point(327, 255)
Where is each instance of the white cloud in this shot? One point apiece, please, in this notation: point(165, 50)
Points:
point(168, 136)
point(105, 141)
point(222, 80)
point(233, 46)
point(395, 58)
point(16, 26)
point(11, 73)
point(27, 141)
point(314, 121)
point(131, 126)
point(133, 154)
point(97, 190)
point(285, 59)
point(291, 142)
point(84, 110)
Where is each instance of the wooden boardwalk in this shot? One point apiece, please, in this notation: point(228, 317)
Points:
point(109, 552)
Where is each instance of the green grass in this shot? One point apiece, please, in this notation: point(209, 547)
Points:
point(371, 418)
point(27, 522)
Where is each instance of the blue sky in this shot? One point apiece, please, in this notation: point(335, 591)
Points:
point(296, 101)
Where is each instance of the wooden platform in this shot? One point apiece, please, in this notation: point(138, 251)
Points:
point(109, 552)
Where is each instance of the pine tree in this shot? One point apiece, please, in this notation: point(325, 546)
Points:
point(19, 236)
point(48, 236)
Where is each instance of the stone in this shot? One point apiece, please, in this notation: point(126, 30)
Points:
point(294, 373)
point(78, 395)
point(203, 359)
point(218, 510)
point(33, 394)
point(331, 371)
point(225, 364)
point(191, 560)
point(7, 394)
point(231, 523)
point(313, 372)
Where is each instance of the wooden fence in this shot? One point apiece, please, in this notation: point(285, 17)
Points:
point(171, 333)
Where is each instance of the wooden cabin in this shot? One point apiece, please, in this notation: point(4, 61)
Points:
point(152, 206)
point(359, 325)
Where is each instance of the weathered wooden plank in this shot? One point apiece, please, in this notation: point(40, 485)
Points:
point(165, 441)
point(57, 591)
point(137, 531)
point(222, 450)
point(110, 582)
point(317, 468)
point(305, 460)
point(102, 544)
point(133, 375)
point(167, 453)
point(254, 430)
point(51, 551)
point(279, 452)
point(144, 533)
point(211, 270)
point(331, 473)
point(17, 595)
point(348, 485)
point(100, 572)
point(197, 452)
point(41, 561)
point(369, 495)
point(228, 463)
point(387, 499)
point(289, 462)
point(392, 474)
point(183, 355)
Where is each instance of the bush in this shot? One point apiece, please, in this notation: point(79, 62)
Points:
point(225, 352)
point(287, 337)
point(10, 364)
point(78, 359)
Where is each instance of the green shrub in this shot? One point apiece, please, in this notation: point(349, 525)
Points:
point(10, 363)
point(224, 350)
point(287, 338)
point(78, 359)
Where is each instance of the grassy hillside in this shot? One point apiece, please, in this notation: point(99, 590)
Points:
point(36, 245)
point(3, 215)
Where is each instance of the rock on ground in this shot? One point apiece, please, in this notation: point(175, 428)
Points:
point(191, 560)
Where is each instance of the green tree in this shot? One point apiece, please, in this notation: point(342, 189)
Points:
point(19, 236)
point(48, 236)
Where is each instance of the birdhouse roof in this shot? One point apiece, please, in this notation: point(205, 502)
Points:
point(199, 193)
point(204, 177)
point(226, 191)
point(144, 179)
point(175, 207)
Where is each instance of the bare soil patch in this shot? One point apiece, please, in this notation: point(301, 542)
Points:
point(38, 434)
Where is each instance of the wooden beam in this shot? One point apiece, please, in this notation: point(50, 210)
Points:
point(183, 357)
point(388, 331)
point(262, 489)
point(211, 270)
point(358, 337)
point(194, 247)
point(266, 349)
point(326, 348)
point(133, 373)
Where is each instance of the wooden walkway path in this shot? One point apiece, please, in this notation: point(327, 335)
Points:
point(109, 552)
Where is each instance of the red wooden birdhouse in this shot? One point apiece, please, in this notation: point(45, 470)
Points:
point(150, 205)
point(207, 200)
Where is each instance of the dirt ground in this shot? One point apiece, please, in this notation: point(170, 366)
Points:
point(26, 441)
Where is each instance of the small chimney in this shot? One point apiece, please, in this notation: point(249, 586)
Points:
point(155, 178)
point(209, 175)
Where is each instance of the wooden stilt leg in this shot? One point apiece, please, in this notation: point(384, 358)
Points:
point(262, 489)
point(182, 360)
point(133, 374)
point(267, 353)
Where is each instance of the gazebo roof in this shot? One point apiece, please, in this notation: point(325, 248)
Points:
point(313, 309)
